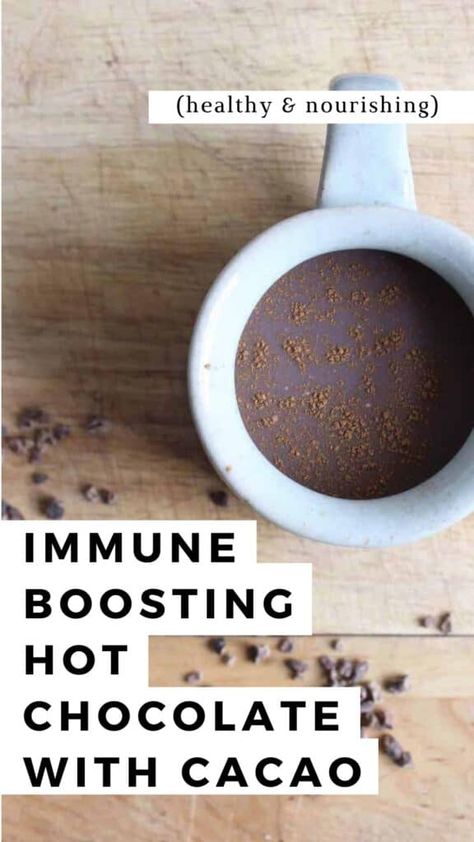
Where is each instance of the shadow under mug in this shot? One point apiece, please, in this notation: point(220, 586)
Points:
point(366, 200)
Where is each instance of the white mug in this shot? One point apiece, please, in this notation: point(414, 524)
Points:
point(366, 200)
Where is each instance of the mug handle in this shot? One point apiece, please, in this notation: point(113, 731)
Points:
point(366, 164)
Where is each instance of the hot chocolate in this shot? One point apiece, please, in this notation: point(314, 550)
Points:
point(354, 373)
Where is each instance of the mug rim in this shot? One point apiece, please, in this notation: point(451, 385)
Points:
point(432, 505)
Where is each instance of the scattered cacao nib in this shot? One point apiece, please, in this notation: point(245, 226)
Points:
point(217, 645)
point(38, 478)
point(367, 719)
point(193, 677)
point(35, 455)
point(219, 498)
point(328, 666)
point(39, 437)
point(359, 670)
point(61, 431)
point(17, 444)
point(333, 679)
point(98, 424)
point(344, 668)
point(391, 747)
point(31, 416)
point(10, 512)
point(373, 690)
point(90, 493)
point(107, 496)
point(445, 625)
point(405, 759)
point(383, 718)
point(285, 645)
point(228, 659)
point(296, 667)
point(43, 438)
point(326, 663)
point(397, 684)
point(337, 644)
point(258, 653)
point(345, 672)
point(52, 508)
point(427, 622)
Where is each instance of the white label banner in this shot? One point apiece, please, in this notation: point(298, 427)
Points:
point(223, 754)
point(79, 600)
point(312, 107)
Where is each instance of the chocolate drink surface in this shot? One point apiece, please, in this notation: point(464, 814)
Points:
point(354, 373)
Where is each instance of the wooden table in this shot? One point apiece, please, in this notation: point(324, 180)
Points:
point(114, 231)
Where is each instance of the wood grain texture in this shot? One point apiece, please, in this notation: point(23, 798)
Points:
point(439, 667)
point(114, 231)
point(431, 801)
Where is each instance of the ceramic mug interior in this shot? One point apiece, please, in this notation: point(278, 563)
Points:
point(434, 504)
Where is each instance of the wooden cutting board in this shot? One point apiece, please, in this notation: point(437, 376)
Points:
point(114, 232)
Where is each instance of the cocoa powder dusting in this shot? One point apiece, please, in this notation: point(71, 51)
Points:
point(299, 313)
point(338, 354)
point(260, 354)
point(354, 373)
point(298, 350)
